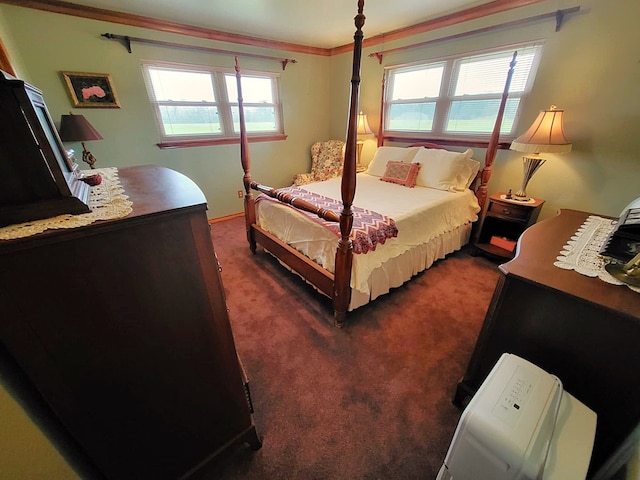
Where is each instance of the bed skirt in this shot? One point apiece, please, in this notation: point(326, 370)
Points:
point(398, 270)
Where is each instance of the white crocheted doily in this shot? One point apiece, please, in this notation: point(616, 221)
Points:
point(107, 201)
point(582, 252)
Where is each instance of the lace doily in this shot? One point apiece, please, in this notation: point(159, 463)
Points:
point(106, 202)
point(582, 252)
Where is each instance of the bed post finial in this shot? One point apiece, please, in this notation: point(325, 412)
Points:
point(344, 253)
point(245, 159)
point(492, 148)
point(360, 14)
point(381, 121)
point(244, 144)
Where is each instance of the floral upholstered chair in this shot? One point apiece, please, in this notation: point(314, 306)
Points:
point(326, 162)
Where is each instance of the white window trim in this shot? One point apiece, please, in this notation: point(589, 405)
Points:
point(446, 97)
point(224, 106)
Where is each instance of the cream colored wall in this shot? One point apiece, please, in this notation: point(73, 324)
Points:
point(49, 43)
point(25, 452)
point(7, 40)
point(633, 472)
point(591, 68)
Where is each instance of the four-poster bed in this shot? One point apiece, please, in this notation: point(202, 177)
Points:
point(402, 245)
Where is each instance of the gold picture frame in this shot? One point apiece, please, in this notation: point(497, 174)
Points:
point(91, 90)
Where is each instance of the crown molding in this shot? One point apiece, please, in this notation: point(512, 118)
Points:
point(112, 16)
point(497, 6)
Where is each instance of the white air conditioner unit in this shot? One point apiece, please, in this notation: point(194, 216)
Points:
point(521, 425)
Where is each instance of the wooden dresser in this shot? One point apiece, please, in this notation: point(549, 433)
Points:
point(585, 331)
point(122, 327)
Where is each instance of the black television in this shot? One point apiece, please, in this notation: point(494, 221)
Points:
point(37, 178)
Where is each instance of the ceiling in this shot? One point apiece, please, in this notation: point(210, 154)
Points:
point(321, 23)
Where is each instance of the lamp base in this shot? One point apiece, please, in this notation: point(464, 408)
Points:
point(628, 273)
point(88, 157)
point(520, 198)
point(617, 271)
point(530, 165)
point(511, 198)
point(359, 145)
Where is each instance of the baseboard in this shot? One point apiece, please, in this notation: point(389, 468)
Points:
point(226, 217)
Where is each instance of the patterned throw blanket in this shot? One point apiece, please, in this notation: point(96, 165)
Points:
point(369, 228)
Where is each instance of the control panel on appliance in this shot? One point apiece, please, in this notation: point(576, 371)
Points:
point(515, 396)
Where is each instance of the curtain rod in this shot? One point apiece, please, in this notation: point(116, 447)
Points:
point(126, 40)
point(558, 15)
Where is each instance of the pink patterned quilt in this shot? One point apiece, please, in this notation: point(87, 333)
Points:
point(369, 228)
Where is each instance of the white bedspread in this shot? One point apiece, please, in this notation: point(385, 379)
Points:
point(420, 213)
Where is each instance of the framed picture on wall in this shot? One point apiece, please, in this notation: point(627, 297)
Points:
point(91, 90)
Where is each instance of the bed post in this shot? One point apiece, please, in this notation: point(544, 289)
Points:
point(381, 121)
point(344, 254)
point(492, 148)
point(245, 158)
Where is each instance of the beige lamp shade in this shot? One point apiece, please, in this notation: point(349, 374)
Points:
point(363, 129)
point(545, 135)
point(363, 125)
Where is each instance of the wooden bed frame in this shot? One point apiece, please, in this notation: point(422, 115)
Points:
point(336, 285)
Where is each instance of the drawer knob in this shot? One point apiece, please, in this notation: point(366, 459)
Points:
point(506, 211)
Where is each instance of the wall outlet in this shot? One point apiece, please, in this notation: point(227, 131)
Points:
point(240, 194)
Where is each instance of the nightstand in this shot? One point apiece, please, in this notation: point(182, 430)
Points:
point(503, 222)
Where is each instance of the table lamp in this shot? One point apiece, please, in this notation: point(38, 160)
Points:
point(363, 129)
point(546, 135)
point(76, 128)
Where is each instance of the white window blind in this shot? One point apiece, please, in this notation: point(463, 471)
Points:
point(200, 103)
point(459, 96)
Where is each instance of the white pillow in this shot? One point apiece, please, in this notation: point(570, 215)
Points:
point(445, 170)
point(469, 172)
point(384, 154)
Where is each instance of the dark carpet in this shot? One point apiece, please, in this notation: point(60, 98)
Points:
point(369, 401)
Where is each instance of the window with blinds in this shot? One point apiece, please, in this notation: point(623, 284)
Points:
point(458, 97)
point(195, 103)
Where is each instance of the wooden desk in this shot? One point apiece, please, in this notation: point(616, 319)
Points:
point(122, 327)
point(583, 330)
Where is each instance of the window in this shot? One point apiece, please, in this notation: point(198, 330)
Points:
point(458, 97)
point(199, 105)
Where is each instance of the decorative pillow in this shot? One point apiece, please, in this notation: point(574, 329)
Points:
point(401, 173)
point(385, 154)
point(444, 170)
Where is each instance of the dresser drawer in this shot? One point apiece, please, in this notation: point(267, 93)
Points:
point(511, 210)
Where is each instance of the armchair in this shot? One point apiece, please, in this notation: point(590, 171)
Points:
point(327, 160)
